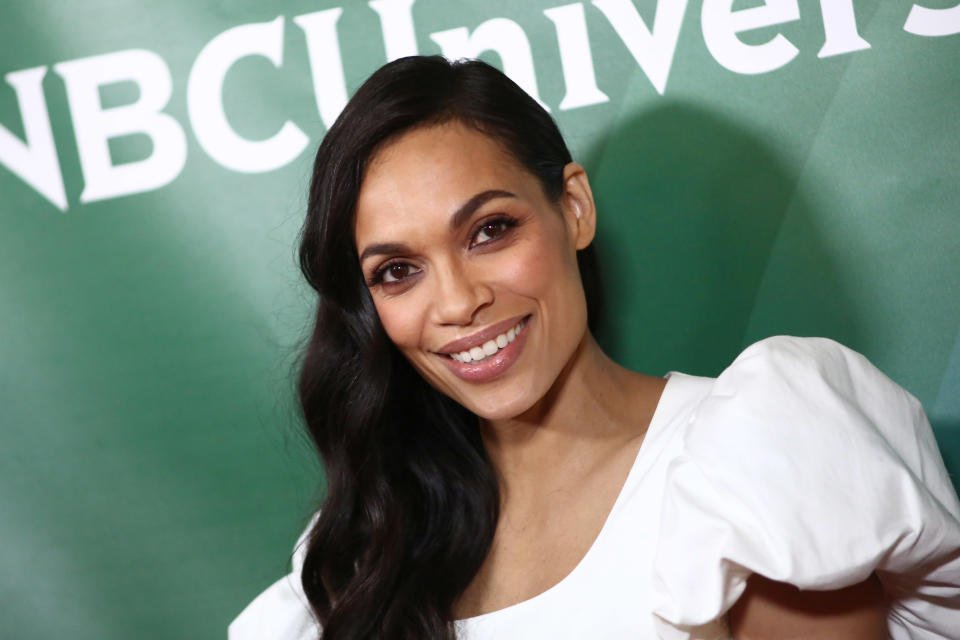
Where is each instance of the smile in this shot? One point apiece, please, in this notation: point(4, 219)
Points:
point(487, 354)
point(489, 348)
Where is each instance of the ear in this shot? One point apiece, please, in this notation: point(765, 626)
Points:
point(579, 211)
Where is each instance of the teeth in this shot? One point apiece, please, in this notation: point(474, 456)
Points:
point(490, 347)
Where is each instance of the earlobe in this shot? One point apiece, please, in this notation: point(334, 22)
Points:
point(578, 200)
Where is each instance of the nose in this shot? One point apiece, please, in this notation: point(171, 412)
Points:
point(460, 293)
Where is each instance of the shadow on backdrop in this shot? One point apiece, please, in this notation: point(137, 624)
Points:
point(691, 206)
point(948, 437)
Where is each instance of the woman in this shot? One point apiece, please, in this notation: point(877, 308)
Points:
point(492, 473)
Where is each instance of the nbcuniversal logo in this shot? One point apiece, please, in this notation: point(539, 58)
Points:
point(35, 160)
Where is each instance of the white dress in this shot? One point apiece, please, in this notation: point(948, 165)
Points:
point(801, 462)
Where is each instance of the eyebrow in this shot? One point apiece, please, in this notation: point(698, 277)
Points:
point(457, 220)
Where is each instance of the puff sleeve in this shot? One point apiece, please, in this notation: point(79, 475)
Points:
point(807, 465)
point(282, 611)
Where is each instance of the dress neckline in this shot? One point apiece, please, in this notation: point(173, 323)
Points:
point(640, 463)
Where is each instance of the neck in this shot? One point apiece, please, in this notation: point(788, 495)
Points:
point(594, 405)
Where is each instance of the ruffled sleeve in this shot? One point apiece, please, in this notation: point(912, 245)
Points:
point(807, 465)
point(282, 611)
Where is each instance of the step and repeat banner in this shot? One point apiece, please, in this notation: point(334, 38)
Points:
point(761, 167)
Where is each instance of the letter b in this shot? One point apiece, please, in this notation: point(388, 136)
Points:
point(94, 126)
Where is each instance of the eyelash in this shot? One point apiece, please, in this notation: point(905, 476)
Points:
point(507, 223)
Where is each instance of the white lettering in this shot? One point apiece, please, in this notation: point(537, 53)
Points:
point(840, 28)
point(396, 24)
point(35, 162)
point(326, 66)
point(933, 22)
point(503, 36)
point(205, 101)
point(94, 126)
point(721, 24)
point(575, 57)
point(653, 50)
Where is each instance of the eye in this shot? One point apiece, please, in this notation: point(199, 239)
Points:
point(491, 230)
point(394, 272)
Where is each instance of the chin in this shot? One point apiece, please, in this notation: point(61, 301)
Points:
point(500, 408)
point(493, 414)
point(497, 400)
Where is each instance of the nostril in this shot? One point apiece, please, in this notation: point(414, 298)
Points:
point(458, 299)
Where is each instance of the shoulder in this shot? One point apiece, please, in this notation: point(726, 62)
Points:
point(799, 395)
point(806, 465)
point(812, 371)
point(814, 412)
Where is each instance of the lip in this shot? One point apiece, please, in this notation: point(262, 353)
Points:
point(477, 339)
point(495, 365)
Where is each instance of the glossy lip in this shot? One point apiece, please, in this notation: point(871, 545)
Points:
point(477, 339)
point(497, 364)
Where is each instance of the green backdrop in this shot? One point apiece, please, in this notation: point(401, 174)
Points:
point(760, 168)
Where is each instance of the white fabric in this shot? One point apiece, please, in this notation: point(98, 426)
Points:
point(282, 611)
point(801, 462)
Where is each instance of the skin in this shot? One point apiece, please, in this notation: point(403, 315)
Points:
point(771, 610)
point(563, 424)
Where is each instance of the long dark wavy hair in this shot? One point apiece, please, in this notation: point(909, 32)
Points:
point(411, 501)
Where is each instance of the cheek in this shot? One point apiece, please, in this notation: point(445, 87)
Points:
point(540, 268)
point(404, 319)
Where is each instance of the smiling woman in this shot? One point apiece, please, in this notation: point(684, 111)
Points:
point(492, 473)
point(482, 252)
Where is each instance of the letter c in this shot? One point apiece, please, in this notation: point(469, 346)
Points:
point(205, 101)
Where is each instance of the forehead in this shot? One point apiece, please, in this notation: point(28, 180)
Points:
point(427, 173)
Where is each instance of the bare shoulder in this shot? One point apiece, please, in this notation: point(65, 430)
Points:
point(770, 610)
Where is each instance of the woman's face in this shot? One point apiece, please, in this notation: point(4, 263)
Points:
point(472, 269)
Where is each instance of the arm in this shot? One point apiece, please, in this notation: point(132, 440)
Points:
point(770, 610)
